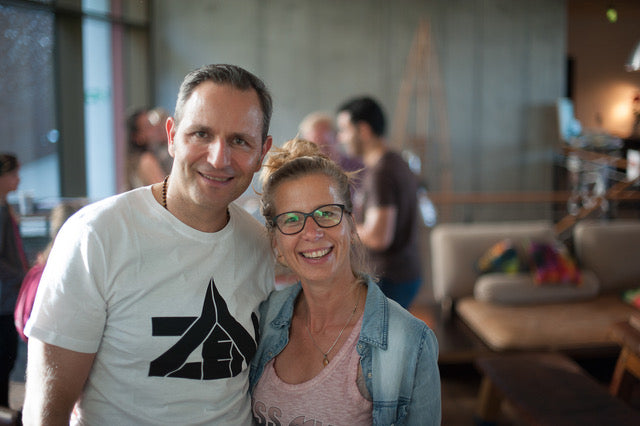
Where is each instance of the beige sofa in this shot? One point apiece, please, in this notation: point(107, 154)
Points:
point(510, 312)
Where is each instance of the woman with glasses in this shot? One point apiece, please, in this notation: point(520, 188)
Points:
point(333, 349)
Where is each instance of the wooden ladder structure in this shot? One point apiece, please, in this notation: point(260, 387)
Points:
point(422, 83)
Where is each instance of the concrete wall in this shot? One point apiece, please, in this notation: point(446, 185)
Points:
point(502, 66)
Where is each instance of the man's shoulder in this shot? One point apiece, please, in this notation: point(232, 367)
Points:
point(246, 219)
point(246, 226)
point(392, 158)
point(109, 209)
point(393, 166)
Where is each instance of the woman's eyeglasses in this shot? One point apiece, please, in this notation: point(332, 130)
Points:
point(326, 216)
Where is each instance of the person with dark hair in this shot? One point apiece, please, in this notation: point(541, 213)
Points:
point(147, 310)
point(386, 206)
point(13, 266)
point(333, 349)
point(143, 166)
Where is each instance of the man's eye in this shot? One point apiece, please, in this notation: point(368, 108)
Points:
point(240, 142)
point(201, 134)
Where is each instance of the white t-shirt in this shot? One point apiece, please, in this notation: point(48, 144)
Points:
point(169, 310)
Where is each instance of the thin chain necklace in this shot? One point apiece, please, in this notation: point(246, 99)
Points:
point(325, 360)
point(164, 192)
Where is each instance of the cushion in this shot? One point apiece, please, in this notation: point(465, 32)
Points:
point(552, 264)
point(456, 247)
point(500, 257)
point(632, 297)
point(521, 289)
point(611, 249)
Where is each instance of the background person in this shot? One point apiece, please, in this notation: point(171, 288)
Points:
point(333, 339)
point(385, 204)
point(147, 307)
point(319, 127)
point(13, 266)
point(158, 138)
point(143, 167)
point(24, 305)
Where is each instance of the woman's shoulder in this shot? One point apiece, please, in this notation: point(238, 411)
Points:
point(405, 318)
point(277, 299)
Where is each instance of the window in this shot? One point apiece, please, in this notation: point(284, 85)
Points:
point(67, 124)
point(27, 109)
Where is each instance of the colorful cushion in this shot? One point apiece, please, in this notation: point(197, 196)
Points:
point(552, 263)
point(632, 297)
point(501, 257)
point(521, 289)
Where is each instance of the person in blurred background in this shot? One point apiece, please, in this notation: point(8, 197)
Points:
point(319, 127)
point(386, 205)
point(157, 140)
point(59, 214)
point(143, 167)
point(13, 266)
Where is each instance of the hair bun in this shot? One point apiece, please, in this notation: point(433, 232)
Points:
point(290, 151)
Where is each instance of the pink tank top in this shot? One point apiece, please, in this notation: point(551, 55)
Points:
point(330, 398)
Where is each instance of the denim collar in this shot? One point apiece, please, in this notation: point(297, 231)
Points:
point(375, 321)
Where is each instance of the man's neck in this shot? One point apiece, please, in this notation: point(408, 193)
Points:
point(205, 221)
point(373, 154)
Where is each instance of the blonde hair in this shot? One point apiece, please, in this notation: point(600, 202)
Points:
point(298, 158)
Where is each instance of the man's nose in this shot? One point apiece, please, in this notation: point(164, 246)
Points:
point(219, 154)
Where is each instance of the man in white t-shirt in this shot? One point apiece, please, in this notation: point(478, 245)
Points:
point(147, 308)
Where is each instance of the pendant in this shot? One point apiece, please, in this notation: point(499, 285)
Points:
point(325, 361)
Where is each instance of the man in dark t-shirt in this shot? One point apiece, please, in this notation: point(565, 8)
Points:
point(385, 205)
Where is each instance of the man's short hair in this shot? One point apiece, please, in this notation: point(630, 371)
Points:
point(233, 75)
point(368, 110)
point(8, 162)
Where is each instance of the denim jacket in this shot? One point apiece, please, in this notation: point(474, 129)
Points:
point(398, 355)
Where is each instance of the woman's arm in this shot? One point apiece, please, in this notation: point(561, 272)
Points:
point(425, 407)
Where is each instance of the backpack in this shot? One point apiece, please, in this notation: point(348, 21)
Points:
point(26, 296)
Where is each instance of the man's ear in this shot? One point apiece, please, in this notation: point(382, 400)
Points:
point(171, 133)
point(364, 129)
point(266, 146)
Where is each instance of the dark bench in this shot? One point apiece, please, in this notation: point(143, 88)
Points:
point(547, 389)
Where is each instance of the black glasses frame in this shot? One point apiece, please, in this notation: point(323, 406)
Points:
point(274, 220)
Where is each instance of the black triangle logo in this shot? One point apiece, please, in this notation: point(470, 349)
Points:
point(225, 344)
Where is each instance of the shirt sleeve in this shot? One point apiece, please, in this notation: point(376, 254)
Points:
point(425, 407)
point(70, 308)
point(384, 187)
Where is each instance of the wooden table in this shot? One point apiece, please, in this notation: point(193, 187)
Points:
point(627, 371)
point(547, 389)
